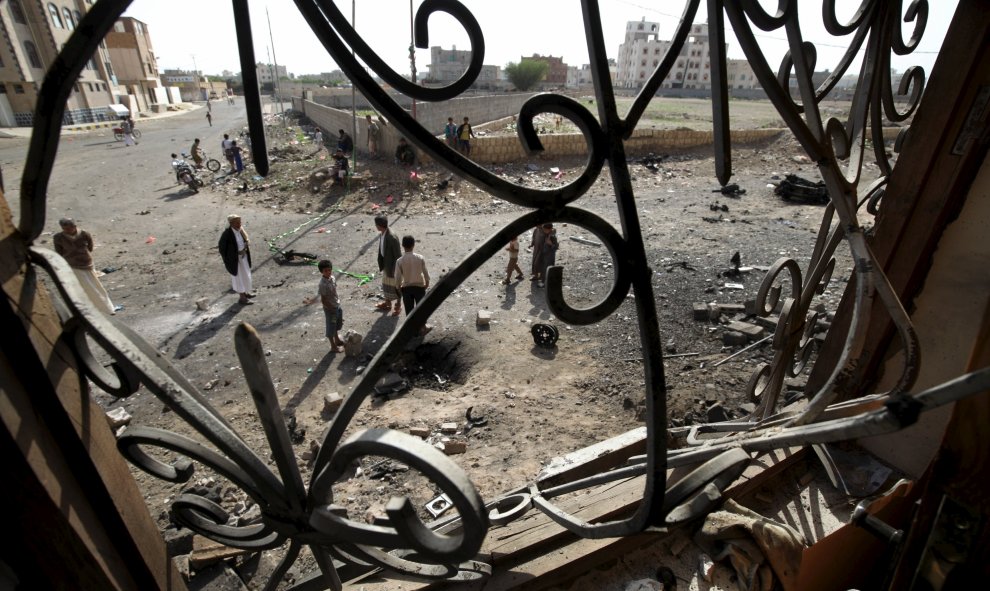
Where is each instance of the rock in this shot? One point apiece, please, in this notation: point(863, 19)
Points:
point(178, 541)
point(733, 338)
point(706, 568)
point(218, 577)
point(211, 384)
point(332, 402)
point(118, 418)
point(448, 428)
point(484, 318)
point(203, 304)
point(747, 408)
point(251, 516)
point(391, 383)
point(700, 311)
point(353, 344)
point(716, 413)
point(182, 565)
point(643, 585)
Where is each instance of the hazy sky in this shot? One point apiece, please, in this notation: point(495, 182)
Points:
point(200, 34)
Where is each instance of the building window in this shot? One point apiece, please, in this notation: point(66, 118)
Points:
point(656, 63)
point(119, 27)
point(16, 11)
point(56, 19)
point(18, 89)
point(32, 54)
point(69, 23)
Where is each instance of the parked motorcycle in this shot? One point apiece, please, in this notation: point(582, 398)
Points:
point(185, 173)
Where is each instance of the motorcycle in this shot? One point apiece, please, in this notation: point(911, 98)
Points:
point(118, 133)
point(185, 174)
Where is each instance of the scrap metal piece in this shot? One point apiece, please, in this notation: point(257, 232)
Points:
point(475, 421)
point(545, 335)
point(439, 505)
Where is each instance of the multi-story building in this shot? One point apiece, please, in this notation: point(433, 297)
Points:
point(556, 69)
point(270, 74)
point(134, 64)
point(643, 50)
point(447, 65)
point(33, 33)
point(194, 86)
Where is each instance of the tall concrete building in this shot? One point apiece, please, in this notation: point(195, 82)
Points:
point(643, 50)
point(447, 65)
point(134, 64)
point(33, 32)
point(268, 73)
point(556, 69)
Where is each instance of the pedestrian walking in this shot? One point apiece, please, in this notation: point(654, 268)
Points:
point(374, 134)
point(389, 251)
point(544, 244)
point(450, 133)
point(464, 134)
point(235, 250)
point(412, 277)
point(513, 250)
point(333, 314)
point(76, 247)
point(209, 118)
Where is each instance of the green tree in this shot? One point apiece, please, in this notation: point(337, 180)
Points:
point(526, 73)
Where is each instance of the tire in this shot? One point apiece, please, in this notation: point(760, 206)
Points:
point(137, 134)
point(213, 165)
point(118, 136)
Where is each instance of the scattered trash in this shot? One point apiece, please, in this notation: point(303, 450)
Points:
point(554, 170)
point(109, 269)
point(732, 190)
point(799, 190)
point(473, 421)
point(585, 241)
point(734, 286)
point(150, 240)
point(545, 335)
point(390, 199)
point(439, 505)
point(321, 230)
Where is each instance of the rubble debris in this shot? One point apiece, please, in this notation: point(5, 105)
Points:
point(732, 190)
point(475, 421)
point(421, 432)
point(798, 190)
point(439, 505)
point(483, 318)
point(296, 434)
point(118, 418)
point(454, 447)
point(752, 331)
point(585, 241)
point(332, 402)
point(353, 344)
point(391, 383)
point(291, 256)
point(448, 428)
point(203, 304)
point(206, 552)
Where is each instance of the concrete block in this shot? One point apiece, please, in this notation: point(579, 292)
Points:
point(454, 447)
point(421, 432)
point(484, 318)
point(700, 311)
point(767, 322)
point(733, 308)
point(751, 308)
point(118, 418)
point(448, 428)
point(332, 402)
point(734, 339)
point(752, 331)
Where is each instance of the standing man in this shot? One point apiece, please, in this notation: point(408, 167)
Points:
point(209, 118)
point(76, 247)
point(412, 277)
point(450, 133)
point(318, 139)
point(345, 144)
point(226, 146)
point(464, 135)
point(128, 128)
point(389, 251)
point(235, 250)
point(548, 252)
point(374, 133)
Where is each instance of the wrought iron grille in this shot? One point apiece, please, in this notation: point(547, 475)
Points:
point(300, 514)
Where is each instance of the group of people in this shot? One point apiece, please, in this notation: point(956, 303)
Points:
point(544, 245)
point(405, 277)
point(233, 153)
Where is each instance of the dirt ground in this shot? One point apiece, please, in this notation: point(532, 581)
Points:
point(539, 403)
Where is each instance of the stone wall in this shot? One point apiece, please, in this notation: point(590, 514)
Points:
point(499, 149)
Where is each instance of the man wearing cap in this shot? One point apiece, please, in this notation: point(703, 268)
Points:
point(76, 247)
point(235, 250)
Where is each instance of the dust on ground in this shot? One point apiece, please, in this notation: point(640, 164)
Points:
point(537, 403)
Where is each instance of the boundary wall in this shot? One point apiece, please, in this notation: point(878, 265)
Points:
point(508, 148)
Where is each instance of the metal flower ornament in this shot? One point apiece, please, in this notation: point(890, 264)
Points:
point(298, 513)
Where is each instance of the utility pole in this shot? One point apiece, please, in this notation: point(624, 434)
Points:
point(412, 53)
point(199, 88)
point(354, 134)
point(277, 86)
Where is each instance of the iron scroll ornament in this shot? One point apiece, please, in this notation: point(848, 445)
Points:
point(307, 516)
